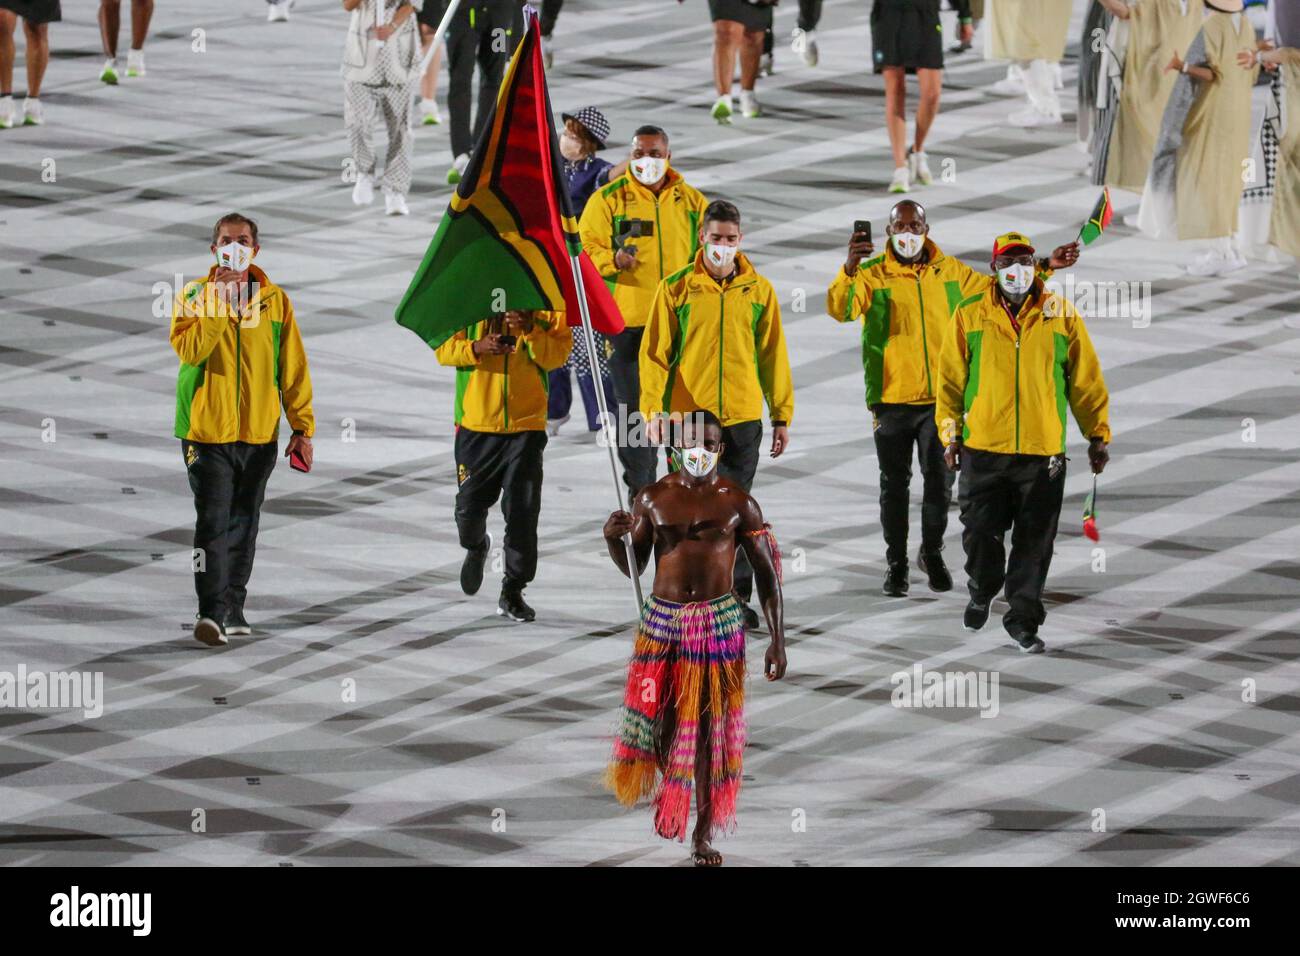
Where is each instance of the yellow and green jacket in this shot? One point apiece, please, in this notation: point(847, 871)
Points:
point(716, 346)
point(1010, 392)
point(905, 310)
point(236, 375)
point(677, 213)
point(506, 393)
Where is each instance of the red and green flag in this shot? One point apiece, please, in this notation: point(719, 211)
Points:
point(506, 238)
point(1101, 216)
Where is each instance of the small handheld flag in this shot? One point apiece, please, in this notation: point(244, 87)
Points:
point(1090, 513)
point(1101, 216)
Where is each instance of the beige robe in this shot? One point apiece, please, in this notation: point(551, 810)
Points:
point(1021, 30)
point(1216, 134)
point(1284, 229)
point(1157, 30)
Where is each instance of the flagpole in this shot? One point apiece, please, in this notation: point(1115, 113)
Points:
point(438, 34)
point(606, 422)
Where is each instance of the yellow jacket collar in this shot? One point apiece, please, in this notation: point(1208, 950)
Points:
point(700, 275)
point(933, 256)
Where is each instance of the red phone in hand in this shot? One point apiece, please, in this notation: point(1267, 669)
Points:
point(296, 462)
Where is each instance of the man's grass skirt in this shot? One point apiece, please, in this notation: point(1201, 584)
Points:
point(687, 668)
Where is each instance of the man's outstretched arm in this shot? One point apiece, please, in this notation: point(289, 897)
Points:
point(638, 523)
point(756, 540)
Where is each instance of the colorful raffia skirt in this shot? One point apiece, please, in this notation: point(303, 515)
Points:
point(685, 701)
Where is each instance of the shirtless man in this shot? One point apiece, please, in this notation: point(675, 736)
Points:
point(683, 724)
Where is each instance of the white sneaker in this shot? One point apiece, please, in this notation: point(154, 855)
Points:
point(899, 184)
point(363, 193)
point(766, 65)
point(1013, 84)
point(749, 107)
point(33, 115)
point(553, 425)
point(918, 170)
point(1215, 262)
point(278, 12)
point(804, 43)
point(395, 204)
point(431, 115)
point(1030, 117)
point(6, 112)
point(109, 73)
point(457, 170)
point(135, 63)
point(722, 109)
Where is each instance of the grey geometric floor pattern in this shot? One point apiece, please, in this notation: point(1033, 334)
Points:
point(473, 742)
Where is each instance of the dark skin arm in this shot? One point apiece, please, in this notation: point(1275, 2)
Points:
point(639, 525)
point(759, 552)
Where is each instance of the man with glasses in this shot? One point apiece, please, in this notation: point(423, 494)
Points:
point(905, 297)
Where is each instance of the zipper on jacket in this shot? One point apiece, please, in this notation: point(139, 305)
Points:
point(925, 344)
point(505, 393)
point(239, 361)
point(659, 238)
point(722, 336)
point(1017, 392)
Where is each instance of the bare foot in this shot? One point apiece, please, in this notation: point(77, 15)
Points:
point(704, 854)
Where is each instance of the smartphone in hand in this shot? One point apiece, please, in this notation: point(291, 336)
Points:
point(296, 462)
point(862, 227)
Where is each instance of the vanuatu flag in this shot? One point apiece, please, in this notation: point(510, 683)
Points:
point(504, 242)
point(1101, 216)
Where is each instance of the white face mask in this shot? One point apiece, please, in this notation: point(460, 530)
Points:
point(234, 255)
point(908, 245)
point(698, 461)
point(648, 170)
point(570, 147)
point(1016, 280)
point(720, 257)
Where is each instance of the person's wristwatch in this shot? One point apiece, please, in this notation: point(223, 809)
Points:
point(779, 424)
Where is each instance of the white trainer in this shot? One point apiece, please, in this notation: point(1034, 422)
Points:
point(1030, 117)
point(900, 184)
point(918, 170)
point(33, 115)
point(804, 43)
point(1013, 84)
point(135, 63)
point(6, 112)
point(363, 193)
point(749, 107)
point(395, 204)
point(278, 12)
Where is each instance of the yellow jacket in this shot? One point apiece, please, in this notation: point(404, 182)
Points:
point(504, 394)
point(676, 213)
point(905, 310)
point(235, 376)
point(718, 347)
point(1010, 391)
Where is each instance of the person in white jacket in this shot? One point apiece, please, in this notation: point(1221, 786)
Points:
point(381, 63)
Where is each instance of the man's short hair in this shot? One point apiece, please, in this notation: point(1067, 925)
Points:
point(909, 204)
point(234, 217)
point(722, 211)
point(649, 130)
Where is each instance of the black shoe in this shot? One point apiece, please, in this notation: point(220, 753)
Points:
point(236, 623)
point(471, 571)
point(959, 47)
point(976, 615)
point(896, 583)
point(208, 631)
point(934, 568)
point(1027, 641)
point(512, 606)
point(749, 617)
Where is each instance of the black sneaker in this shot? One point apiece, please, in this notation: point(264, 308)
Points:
point(896, 582)
point(512, 606)
point(209, 632)
point(236, 624)
point(471, 571)
point(934, 568)
point(749, 617)
point(976, 615)
point(1027, 641)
